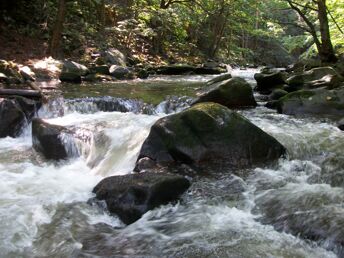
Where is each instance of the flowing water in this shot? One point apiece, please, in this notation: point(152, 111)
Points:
point(292, 209)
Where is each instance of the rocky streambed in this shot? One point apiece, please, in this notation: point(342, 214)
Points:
point(270, 186)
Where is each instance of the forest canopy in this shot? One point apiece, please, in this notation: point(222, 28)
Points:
point(238, 31)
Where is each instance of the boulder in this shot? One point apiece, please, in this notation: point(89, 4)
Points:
point(100, 69)
point(232, 93)
point(56, 142)
point(219, 78)
point(341, 124)
point(277, 94)
point(209, 137)
point(328, 81)
point(72, 71)
point(314, 74)
point(131, 196)
point(96, 77)
point(15, 113)
point(114, 57)
point(120, 72)
point(313, 102)
point(185, 69)
point(266, 82)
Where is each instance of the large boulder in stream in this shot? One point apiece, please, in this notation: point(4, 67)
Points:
point(130, 196)
point(316, 78)
point(15, 113)
point(313, 102)
point(267, 82)
point(232, 93)
point(208, 137)
point(57, 142)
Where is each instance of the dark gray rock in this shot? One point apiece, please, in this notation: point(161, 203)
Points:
point(313, 102)
point(114, 57)
point(232, 93)
point(341, 124)
point(209, 137)
point(72, 72)
point(306, 78)
point(268, 82)
point(130, 196)
point(120, 72)
point(277, 94)
point(56, 142)
point(15, 113)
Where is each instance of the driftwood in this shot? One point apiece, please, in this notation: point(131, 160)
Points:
point(20, 92)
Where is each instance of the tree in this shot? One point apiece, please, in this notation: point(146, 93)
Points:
point(318, 9)
point(55, 40)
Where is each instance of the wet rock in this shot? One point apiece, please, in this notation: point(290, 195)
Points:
point(114, 57)
point(108, 104)
point(184, 69)
point(222, 77)
point(100, 69)
point(232, 93)
point(130, 196)
point(273, 104)
point(267, 82)
point(95, 77)
point(56, 142)
point(15, 113)
point(310, 77)
point(209, 137)
point(277, 94)
point(341, 124)
point(329, 81)
point(142, 74)
point(314, 102)
point(120, 72)
point(72, 71)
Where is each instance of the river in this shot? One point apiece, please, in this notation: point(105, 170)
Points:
point(44, 210)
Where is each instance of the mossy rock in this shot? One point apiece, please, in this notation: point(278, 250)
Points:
point(232, 93)
point(277, 94)
point(311, 75)
point(314, 102)
point(209, 137)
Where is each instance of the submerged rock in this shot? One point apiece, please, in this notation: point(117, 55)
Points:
point(209, 137)
point(314, 212)
point(56, 142)
point(232, 93)
point(314, 102)
point(15, 113)
point(130, 196)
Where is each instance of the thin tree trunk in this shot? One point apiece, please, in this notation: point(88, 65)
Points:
point(326, 52)
point(55, 40)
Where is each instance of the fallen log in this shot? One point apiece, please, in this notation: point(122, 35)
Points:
point(20, 92)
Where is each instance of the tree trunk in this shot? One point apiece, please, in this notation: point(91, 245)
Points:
point(55, 39)
point(326, 52)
